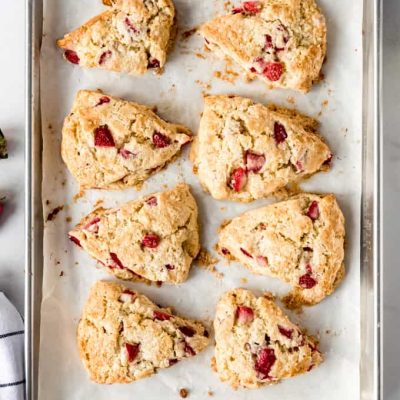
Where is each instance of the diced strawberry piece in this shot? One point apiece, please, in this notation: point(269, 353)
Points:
point(328, 160)
point(151, 240)
point(72, 56)
point(187, 331)
point(103, 100)
point(117, 261)
point(306, 281)
point(238, 179)
point(244, 315)
point(103, 137)
point(248, 7)
point(104, 57)
point(265, 361)
point(75, 240)
point(254, 161)
point(189, 349)
point(152, 201)
point(127, 296)
point(299, 166)
point(132, 350)
point(246, 253)
point(262, 261)
point(153, 63)
point(273, 71)
point(160, 140)
point(169, 267)
point(161, 316)
point(92, 226)
point(126, 154)
point(285, 332)
point(225, 251)
point(268, 42)
point(130, 26)
point(313, 211)
point(309, 269)
point(172, 362)
point(253, 70)
point(310, 367)
point(280, 134)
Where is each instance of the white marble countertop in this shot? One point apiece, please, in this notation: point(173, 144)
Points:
point(12, 115)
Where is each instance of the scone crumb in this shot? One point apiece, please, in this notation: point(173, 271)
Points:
point(210, 393)
point(53, 213)
point(183, 393)
point(207, 261)
point(78, 196)
point(291, 100)
point(190, 32)
point(243, 281)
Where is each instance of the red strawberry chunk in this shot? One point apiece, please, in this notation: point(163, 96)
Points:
point(117, 261)
point(189, 349)
point(328, 160)
point(244, 315)
point(285, 332)
point(104, 57)
point(299, 166)
point(72, 56)
point(313, 211)
point(172, 362)
point(280, 134)
point(254, 161)
point(160, 140)
point(161, 316)
point(130, 26)
point(151, 240)
point(268, 42)
point(238, 179)
point(248, 7)
point(273, 71)
point(265, 360)
point(103, 100)
point(127, 296)
point(262, 261)
point(126, 154)
point(153, 63)
point(132, 350)
point(306, 281)
point(225, 251)
point(187, 331)
point(152, 201)
point(92, 226)
point(103, 137)
point(246, 253)
point(169, 267)
point(253, 70)
point(75, 240)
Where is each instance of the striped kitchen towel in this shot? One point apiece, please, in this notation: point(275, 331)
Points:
point(12, 380)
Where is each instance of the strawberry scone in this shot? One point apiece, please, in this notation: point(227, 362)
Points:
point(282, 42)
point(246, 151)
point(133, 36)
point(300, 241)
point(156, 237)
point(110, 143)
point(257, 344)
point(123, 336)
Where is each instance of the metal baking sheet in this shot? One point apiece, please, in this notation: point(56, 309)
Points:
point(178, 96)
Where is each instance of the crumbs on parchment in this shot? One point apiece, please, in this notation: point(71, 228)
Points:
point(53, 213)
point(206, 261)
point(190, 32)
point(183, 393)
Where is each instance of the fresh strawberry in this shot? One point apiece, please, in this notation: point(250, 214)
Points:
point(103, 137)
point(306, 281)
point(130, 26)
point(104, 57)
point(238, 179)
point(225, 251)
point(160, 140)
point(265, 360)
point(262, 261)
point(169, 267)
point(246, 253)
point(153, 63)
point(72, 56)
point(329, 159)
point(151, 240)
point(189, 349)
point(132, 350)
point(299, 166)
point(187, 331)
point(161, 316)
point(313, 211)
point(103, 100)
point(244, 315)
point(285, 332)
point(280, 134)
point(248, 7)
point(127, 296)
point(152, 201)
point(268, 42)
point(117, 261)
point(273, 71)
point(254, 161)
point(126, 154)
point(92, 226)
point(75, 240)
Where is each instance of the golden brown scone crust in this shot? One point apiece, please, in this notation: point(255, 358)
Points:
point(282, 42)
point(132, 37)
point(272, 147)
point(156, 237)
point(142, 143)
point(257, 344)
point(116, 319)
point(300, 241)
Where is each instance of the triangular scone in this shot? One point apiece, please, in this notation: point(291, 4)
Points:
point(110, 143)
point(300, 241)
point(257, 344)
point(156, 237)
point(283, 42)
point(123, 336)
point(132, 37)
point(246, 151)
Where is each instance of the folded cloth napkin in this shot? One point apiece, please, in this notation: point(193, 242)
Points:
point(12, 382)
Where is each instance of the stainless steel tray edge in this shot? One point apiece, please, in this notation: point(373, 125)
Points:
point(371, 362)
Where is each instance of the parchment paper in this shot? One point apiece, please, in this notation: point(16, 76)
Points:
point(178, 95)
